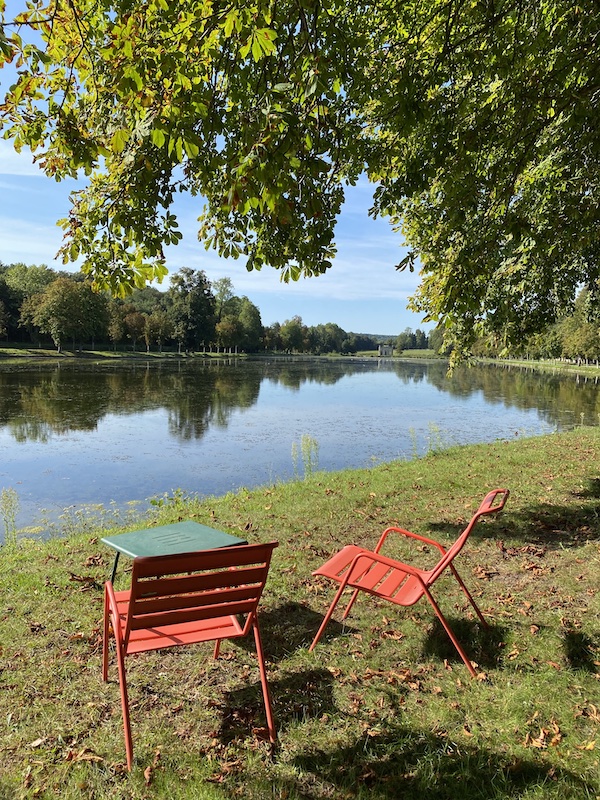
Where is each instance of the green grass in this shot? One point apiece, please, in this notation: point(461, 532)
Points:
point(428, 354)
point(383, 708)
point(551, 365)
point(28, 351)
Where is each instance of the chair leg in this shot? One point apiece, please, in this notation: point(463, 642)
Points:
point(468, 595)
point(217, 649)
point(327, 616)
point(265, 686)
point(125, 708)
point(105, 639)
point(451, 634)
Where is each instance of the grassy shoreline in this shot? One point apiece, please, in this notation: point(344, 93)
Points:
point(383, 708)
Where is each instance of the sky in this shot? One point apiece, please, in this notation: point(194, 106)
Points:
point(362, 292)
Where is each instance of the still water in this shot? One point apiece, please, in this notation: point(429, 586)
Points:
point(84, 434)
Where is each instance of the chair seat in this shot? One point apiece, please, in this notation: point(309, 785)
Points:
point(380, 579)
point(200, 630)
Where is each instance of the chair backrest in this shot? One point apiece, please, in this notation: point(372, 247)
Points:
point(492, 503)
point(184, 588)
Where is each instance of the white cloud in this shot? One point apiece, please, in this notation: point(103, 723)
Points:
point(29, 242)
point(13, 163)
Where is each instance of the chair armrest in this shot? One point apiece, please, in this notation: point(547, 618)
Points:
point(111, 608)
point(494, 501)
point(404, 532)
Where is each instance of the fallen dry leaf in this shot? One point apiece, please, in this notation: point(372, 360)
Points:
point(83, 755)
point(38, 742)
point(484, 573)
point(590, 711)
point(588, 746)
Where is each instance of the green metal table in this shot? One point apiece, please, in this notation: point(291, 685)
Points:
point(164, 540)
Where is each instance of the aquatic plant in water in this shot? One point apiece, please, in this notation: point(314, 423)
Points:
point(309, 451)
point(9, 508)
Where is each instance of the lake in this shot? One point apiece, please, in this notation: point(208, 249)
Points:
point(75, 435)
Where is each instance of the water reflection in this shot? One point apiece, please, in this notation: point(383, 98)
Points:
point(561, 400)
point(101, 432)
point(39, 401)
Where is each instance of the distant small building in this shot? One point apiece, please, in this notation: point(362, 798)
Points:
point(386, 350)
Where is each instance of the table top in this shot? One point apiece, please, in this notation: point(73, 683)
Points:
point(164, 540)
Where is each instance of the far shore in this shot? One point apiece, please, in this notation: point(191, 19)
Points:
point(16, 351)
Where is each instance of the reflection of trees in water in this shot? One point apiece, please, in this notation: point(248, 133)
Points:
point(552, 395)
point(292, 375)
point(55, 403)
point(45, 400)
point(294, 372)
point(38, 403)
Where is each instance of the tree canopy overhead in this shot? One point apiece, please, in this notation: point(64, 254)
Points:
point(476, 121)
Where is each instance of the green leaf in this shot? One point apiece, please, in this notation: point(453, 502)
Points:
point(119, 140)
point(256, 48)
point(134, 76)
point(157, 137)
point(191, 148)
point(231, 22)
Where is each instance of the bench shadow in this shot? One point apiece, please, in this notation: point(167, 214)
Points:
point(288, 628)
point(296, 698)
point(484, 646)
point(418, 764)
point(581, 651)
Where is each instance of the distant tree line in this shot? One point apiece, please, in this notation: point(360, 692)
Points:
point(574, 337)
point(412, 340)
point(39, 304)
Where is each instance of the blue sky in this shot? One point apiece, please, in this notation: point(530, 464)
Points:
point(362, 292)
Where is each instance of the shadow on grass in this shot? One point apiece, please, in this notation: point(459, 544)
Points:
point(546, 525)
point(592, 491)
point(557, 526)
point(297, 698)
point(482, 645)
point(288, 628)
point(293, 626)
point(580, 651)
point(417, 764)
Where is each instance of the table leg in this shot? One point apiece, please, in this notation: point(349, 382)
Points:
point(114, 569)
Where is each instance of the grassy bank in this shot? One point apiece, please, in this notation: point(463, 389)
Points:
point(383, 708)
point(553, 366)
point(24, 351)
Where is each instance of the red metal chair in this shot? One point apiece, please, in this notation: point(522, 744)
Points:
point(183, 599)
point(403, 584)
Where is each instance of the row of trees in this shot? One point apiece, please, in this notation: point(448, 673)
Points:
point(36, 301)
point(412, 340)
point(575, 336)
point(193, 314)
